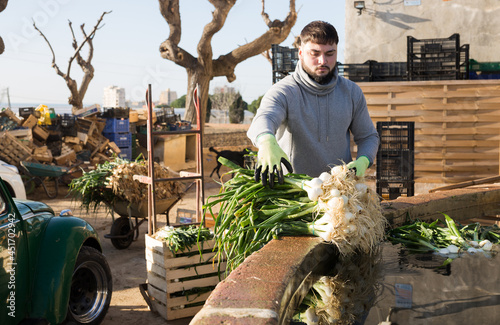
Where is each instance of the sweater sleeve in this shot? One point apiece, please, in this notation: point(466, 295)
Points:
point(364, 133)
point(271, 113)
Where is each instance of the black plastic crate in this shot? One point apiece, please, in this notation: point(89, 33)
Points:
point(388, 71)
point(374, 71)
point(390, 190)
point(433, 46)
point(284, 58)
point(68, 120)
point(396, 155)
point(115, 112)
point(70, 131)
point(277, 76)
point(357, 72)
point(24, 112)
point(395, 165)
point(396, 135)
point(437, 59)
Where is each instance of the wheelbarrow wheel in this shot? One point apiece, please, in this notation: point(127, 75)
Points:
point(29, 184)
point(121, 228)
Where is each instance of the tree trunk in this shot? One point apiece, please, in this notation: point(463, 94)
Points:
point(197, 77)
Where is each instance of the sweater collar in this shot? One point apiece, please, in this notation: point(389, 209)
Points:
point(302, 78)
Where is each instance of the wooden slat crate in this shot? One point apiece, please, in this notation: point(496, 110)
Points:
point(67, 156)
point(30, 122)
point(7, 112)
point(40, 133)
point(21, 134)
point(171, 275)
point(13, 150)
point(42, 154)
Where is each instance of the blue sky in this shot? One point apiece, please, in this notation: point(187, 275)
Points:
point(126, 47)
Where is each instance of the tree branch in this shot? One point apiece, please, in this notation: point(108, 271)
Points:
point(225, 64)
point(78, 49)
point(219, 15)
point(169, 49)
point(54, 65)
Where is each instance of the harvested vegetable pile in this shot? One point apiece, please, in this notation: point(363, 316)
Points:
point(182, 238)
point(123, 185)
point(114, 179)
point(448, 239)
point(337, 206)
point(346, 295)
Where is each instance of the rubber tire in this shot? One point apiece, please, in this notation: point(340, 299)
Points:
point(120, 227)
point(91, 288)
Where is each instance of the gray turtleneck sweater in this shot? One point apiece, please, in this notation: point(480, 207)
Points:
point(313, 122)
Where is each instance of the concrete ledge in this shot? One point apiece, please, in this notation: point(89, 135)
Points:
point(261, 289)
point(269, 284)
point(460, 204)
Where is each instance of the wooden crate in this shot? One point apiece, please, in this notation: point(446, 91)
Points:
point(68, 155)
point(42, 154)
point(171, 275)
point(30, 122)
point(21, 134)
point(13, 150)
point(40, 133)
point(7, 112)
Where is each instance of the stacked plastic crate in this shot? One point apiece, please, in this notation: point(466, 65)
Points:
point(284, 61)
point(117, 129)
point(437, 58)
point(395, 159)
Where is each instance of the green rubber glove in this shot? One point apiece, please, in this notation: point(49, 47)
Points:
point(360, 165)
point(269, 159)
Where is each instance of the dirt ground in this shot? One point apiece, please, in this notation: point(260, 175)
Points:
point(128, 266)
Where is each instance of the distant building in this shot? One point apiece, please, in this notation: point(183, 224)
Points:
point(113, 97)
point(167, 96)
point(224, 90)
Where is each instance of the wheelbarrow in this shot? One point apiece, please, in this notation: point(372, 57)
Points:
point(38, 174)
point(123, 230)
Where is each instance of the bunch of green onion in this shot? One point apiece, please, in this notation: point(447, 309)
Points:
point(335, 206)
point(182, 238)
point(347, 294)
point(446, 239)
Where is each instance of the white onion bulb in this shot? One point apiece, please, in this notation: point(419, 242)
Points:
point(324, 176)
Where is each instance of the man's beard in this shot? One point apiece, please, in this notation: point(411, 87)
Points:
point(322, 80)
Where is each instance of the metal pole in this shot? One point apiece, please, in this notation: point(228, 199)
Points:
point(151, 185)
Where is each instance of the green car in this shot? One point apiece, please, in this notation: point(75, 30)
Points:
point(52, 267)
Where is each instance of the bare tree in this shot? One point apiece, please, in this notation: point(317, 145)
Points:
point(204, 68)
point(3, 5)
point(77, 94)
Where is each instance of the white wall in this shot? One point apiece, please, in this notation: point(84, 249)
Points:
point(380, 32)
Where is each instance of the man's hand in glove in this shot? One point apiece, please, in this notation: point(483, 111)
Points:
point(360, 165)
point(269, 159)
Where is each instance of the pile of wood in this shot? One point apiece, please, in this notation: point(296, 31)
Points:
point(27, 140)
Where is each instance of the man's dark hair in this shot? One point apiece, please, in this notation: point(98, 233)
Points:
point(319, 32)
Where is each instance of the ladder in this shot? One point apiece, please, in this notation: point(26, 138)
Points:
point(196, 176)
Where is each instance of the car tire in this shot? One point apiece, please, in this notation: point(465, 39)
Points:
point(121, 227)
point(91, 288)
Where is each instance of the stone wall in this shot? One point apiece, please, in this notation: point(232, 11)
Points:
point(226, 139)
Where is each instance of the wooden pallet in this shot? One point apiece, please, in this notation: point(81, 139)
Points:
point(13, 150)
point(170, 275)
